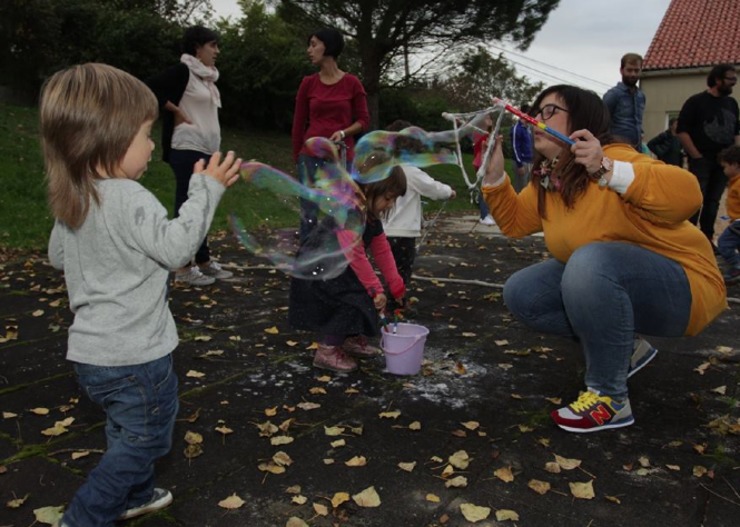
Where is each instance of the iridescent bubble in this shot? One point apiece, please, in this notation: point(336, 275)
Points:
point(337, 196)
point(321, 257)
point(376, 153)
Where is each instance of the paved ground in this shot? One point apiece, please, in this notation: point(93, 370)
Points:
point(482, 400)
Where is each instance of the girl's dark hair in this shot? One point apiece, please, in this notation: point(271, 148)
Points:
point(332, 39)
point(586, 111)
point(196, 36)
point(394, 185)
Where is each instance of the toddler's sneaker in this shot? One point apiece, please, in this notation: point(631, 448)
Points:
point(333, 358)
point(160, 499)
point(214, 269)
point(592, 412)
point(733, 275)
point(193, 276)
point(642, 353)
point(358, 346)
point(488, 220)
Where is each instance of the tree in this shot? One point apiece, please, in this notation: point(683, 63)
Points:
point(478, 76)
point(43, 36)
point(385, 29)
point(261, 66)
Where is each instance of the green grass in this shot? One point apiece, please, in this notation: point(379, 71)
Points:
point(25, 221)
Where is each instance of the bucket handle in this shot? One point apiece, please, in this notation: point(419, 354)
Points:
point(417, 338)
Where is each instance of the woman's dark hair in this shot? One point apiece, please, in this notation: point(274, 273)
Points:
point(196, 36)
point(586, 111)
point(332, 39)
point(718, 73)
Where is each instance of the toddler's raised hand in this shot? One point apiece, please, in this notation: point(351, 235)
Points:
point(225, 172)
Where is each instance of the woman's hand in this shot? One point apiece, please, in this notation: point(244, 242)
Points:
point(495, 167)
point(225, 172)
point(587, 150)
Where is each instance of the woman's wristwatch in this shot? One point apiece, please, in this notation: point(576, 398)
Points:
point(600, 175)
point(342, 134)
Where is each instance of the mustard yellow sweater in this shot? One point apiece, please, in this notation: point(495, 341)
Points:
point(733, 199)
point(653, 214)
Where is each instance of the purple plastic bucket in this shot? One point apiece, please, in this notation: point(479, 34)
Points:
point(404, 349)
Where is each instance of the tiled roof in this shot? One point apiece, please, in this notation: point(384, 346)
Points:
point(696, 33)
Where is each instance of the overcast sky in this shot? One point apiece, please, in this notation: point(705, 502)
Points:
point(581, 42)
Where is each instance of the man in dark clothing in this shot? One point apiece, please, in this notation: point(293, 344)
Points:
point(708, 123)
point(666, 145)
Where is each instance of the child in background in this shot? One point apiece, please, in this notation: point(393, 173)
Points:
point(480, 141)
point(402, 225)
point(344, 310)
point(115, 245)
point(728, 243)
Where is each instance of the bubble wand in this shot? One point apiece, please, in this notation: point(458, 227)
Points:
point(534, 122)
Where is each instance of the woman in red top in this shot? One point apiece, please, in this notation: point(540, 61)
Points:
point(331, 104)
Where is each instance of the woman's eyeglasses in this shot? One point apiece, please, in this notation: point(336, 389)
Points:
point(548, 111)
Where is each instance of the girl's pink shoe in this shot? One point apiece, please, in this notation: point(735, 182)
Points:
point(333, 358)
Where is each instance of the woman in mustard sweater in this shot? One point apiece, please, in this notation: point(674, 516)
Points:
point(625, 258)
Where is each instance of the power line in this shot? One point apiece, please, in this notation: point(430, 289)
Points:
point(549, 65)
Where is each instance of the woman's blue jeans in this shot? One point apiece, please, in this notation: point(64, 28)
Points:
point(603, 295)
point(140, 404)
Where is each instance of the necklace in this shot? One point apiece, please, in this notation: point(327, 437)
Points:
point(548, 180)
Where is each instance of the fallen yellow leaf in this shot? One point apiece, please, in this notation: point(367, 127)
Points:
point(320, 509)
point(506, 514)
point(408, 467)
point(540, 487)
point(457, 482)
point(504, 474)
point(584, 490)
point(232, 502)
point(566, 463)
point(339, 498)
point(367, 498)
point(474, 513)
point(459, 460)
point(357, 461)
point(294, 521)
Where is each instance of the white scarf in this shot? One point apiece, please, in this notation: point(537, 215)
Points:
point(208, 74)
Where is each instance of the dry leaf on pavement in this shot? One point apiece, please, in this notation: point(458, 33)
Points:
point(540, 487)
point(504, 474)
point(232, 502)
point(474, 513)
point(506, 514)
point(339, 498)
point(457, 482)
point(367, 498)
point(459, 460)
point(582, 490)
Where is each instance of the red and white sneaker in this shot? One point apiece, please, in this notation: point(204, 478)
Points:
point(358, 346)
point(592, 412)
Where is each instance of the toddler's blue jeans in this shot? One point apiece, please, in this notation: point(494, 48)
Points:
point(141, 404)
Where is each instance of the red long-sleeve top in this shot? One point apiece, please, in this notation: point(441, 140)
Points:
point(322, 109)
